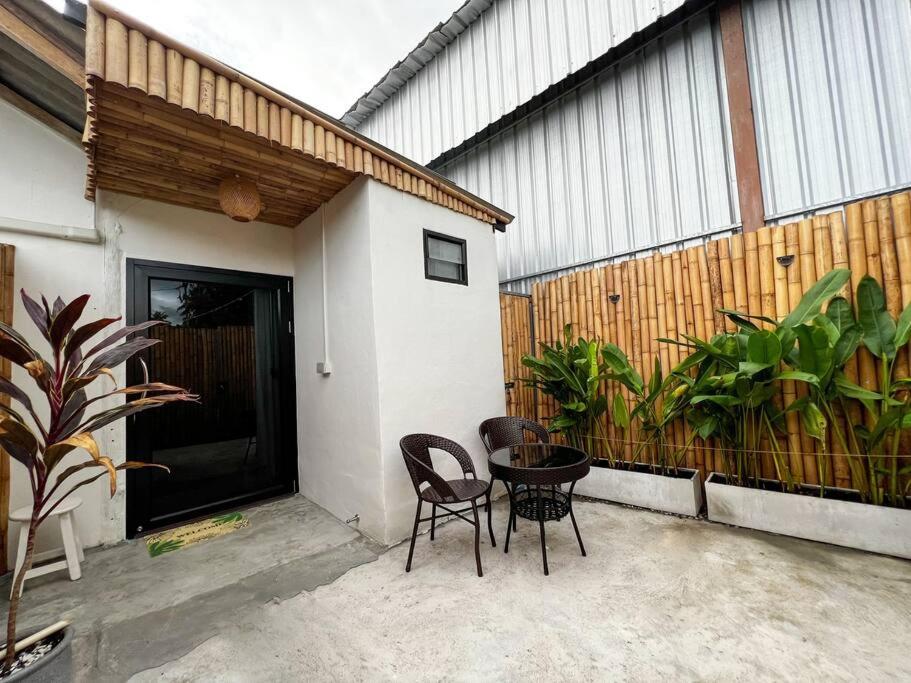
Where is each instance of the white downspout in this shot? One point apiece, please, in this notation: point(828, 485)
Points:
point(325, 367)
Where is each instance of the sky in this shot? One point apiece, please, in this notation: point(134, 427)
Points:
point(324, 52)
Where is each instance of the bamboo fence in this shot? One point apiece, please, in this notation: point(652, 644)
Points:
point(634, 302)
point(515, 316)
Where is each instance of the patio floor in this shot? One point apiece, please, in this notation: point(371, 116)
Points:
point(657, 597)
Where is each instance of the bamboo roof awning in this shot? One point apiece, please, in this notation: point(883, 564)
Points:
point(168, 123)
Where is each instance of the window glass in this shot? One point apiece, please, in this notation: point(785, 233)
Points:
point(444, 251)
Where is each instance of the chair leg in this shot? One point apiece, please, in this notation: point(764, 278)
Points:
point(414, 533)
point(433, 521)
point(493, 541)
point(69, 545)
point(513, 517)
point(511, 522)
point(541, 524)
point(573, 518)
point(477, 536)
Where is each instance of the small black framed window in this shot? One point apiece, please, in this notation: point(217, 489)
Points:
point(445, 258)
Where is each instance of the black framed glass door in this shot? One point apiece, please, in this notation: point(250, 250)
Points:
point(226, 336)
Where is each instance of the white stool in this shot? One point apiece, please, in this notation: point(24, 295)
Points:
point(72, 546)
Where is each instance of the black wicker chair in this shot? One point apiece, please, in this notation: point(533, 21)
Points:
point(441, 492)
point(500, 432)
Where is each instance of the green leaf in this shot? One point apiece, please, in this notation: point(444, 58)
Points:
point(740, 314)
point(814, 298)
point(875, 321)
point(764, 347)
point(798, 376)
point(846, 346)
point(620, 413)
point(903, 329)
point(748, 369)
point(841, 314)
point(813, 352)
point(814, 422)
point(723, 400)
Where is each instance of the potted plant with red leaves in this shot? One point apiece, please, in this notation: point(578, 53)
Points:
point(40, 443)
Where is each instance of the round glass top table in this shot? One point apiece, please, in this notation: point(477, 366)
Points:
point(533, 474)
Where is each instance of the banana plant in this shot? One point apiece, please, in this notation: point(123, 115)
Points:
point(653, 410)
point(41, 443)
point(872, 422)
point(730, 385)
point(570, 373)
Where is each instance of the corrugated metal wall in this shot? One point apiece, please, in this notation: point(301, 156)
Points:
point(831, 82)
point(515, 50)
point(637, 157)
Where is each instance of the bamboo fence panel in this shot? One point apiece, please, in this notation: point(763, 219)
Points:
point(7, 295)
point(634, 302)
point(516, 316)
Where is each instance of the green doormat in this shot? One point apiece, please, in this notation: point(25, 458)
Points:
point(184, 536)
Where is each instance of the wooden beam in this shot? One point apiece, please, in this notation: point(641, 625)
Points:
point(36, 112)
point(740, 104)
point(40, 46)
point(7, 260)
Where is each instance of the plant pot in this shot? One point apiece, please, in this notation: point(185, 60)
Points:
point(54, 667)
point(681, 494)
point(840, 518)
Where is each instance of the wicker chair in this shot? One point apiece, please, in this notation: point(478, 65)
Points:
point(500, 432)
point(440, 492)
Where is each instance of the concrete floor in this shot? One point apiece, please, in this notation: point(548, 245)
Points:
point(658, 597)
point(132, 612)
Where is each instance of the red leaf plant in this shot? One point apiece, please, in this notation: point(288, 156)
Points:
point(41, 444)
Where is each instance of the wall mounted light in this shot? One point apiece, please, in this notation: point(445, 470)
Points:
point(785, 260)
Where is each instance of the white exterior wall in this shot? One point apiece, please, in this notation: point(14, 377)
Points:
point(438, 344)
point(408, 354)
point(42, 178)
point(338, 416)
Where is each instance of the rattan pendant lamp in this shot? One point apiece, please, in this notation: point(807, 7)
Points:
point(239, 198)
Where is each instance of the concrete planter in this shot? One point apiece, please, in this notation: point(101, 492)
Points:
point(54, 667)
point(681, 495)
point(837, 520)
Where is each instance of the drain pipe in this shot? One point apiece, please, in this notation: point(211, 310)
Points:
point(64, 232)
point(324, 368)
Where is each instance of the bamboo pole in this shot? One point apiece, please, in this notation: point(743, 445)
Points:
point(207, 92)
point(784, 244)
point(738, 266)
point(767, 308)
point(249, 111)
point(138, 64)
point(686, 325)
point(95, 29)
point(801, 275)
point(190, 87)
point(871, 240)
point(715, 285)
point(840, 260)
point(726, 265)
point(158, 69)
point(222, 99)
point(116, 53)
point(704, 459)
point(857, 256)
